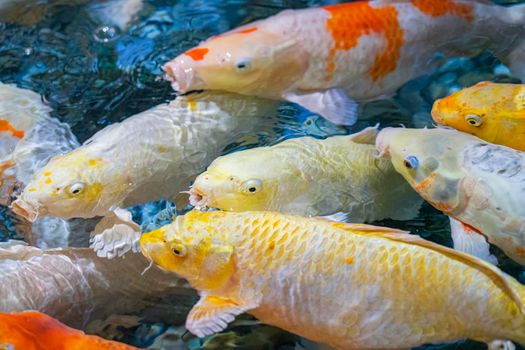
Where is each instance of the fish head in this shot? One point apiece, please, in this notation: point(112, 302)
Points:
point(247, 61)
point(428, 159)
point(473, 110)
point(73, 185)
point(254, 179)
point(194, 248)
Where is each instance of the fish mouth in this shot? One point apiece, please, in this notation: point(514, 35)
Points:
point(152, 242)
point(183, 79)
point(25, 210)
point(436, 114)
point(383, 142)
point(198, 199)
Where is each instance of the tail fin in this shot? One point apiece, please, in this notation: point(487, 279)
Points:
point(514, 56)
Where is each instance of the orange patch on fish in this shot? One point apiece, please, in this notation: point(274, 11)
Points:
point(48, 181)
point(348, 22)
point(247, 30)
point(520, 251)
point(197, 54)
point(349, 260)
point(5, 126)
point(444, 7)
point(425, 183)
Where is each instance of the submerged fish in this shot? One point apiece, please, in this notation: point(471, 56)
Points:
point(35, 331)
point(29, 137)
point(351, 286)
point(309, 177)
point(330, 58)
point(76, 287)
point(150, 156)
point(478, 184)
point(490, 111)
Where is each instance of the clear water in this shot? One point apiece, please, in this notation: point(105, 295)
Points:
point(94, 74)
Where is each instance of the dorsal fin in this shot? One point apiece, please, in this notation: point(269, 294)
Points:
point(366, 136)
point(403, 236)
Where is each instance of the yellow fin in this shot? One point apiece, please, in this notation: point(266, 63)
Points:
point(212, 314)
point(499, 278)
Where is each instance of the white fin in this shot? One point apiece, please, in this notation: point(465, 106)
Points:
point(501, 345)
point(333, 104)
point(366, 136)
point(470, 241)
point(212, 314)
point(115, 235)
point(337, 217)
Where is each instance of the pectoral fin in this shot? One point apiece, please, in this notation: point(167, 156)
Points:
point(115, 235)
point(333, 104)
point(469, 240)
point(213, 314)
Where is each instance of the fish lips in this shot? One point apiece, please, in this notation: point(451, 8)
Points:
point(197, 198)
point(183, 79)
point(25, 210)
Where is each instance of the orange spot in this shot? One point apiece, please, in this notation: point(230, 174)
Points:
point(423, 185)
point(197, 54)
point(32, 189)
point(348, 22)
point(444, 7)
point(349, 260)
point(163, 149)
point(48, 181)
point(247, 30)
point(92, 162)
point(5, 126)
point(47, 173)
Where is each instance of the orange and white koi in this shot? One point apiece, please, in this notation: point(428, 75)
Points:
point(479, 185)
point(350, 286)
point(36, 331)
point(328, 59)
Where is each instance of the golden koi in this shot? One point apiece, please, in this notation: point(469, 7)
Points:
point(350, 286)
point(490, 111)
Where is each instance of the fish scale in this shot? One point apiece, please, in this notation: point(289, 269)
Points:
point(347, 285)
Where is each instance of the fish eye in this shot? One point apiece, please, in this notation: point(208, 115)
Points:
point(179, 249)
point(474, 120)
point(243, 64)
point(411, 162)
point(76, 188)
point(252, 186)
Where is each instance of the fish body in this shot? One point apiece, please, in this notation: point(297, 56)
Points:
point(478, 183)
point(309, 176)
point(329, 58)
point(34, 331)
point(76, 287)
point(493, 112)
point(350, 286)
point(150, 156)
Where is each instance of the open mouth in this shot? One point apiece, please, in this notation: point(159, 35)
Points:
point(24, 210)
point(197, 199)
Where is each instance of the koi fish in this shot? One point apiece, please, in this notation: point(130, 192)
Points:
point(490, 111)
point(35, 330)
point(477, 184)
point(328, 59)
point(307, 176)
point(350, 286)
point(153, 155)
point(75, 286)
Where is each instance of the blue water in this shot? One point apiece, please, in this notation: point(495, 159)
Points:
point(94, 74)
